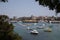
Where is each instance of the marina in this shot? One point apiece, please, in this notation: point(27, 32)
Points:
point(29, 19)
point(42, 33)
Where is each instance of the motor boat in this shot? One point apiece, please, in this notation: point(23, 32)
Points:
point(43, 24)
point(35, 23)
point(48, 29)
point(28, 24)
point(34, 32)
point(28, 28)
point(40, 27)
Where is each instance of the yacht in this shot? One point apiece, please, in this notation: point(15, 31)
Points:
point(35, 23)
point(40, 27)
point(28, 28)
point(48, 29)
point(34, 32)
point(43, 24)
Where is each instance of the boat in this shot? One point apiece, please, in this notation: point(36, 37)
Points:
point(21, 24)
point(48, 29)
point(34, 32)
point(35, 23)
point(40, 27)
point(20, 21)
point(54, 22)
point(28, 28)
point(28, 24)
point(13, 21)
point(43, 25)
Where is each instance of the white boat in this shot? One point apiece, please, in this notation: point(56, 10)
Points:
point(35, 23)
point(28, 28)
point(43, 25)
point(40, 27)
point(48, 29)
point(34, 32)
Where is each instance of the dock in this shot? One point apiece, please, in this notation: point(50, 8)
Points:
point(54, 21)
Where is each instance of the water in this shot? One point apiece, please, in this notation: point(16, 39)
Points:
point(25, 34)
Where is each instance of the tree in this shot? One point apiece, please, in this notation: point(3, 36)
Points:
point(6, 30)
point(3, 0)
point(52, 4)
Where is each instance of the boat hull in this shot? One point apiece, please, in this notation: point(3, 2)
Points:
point(48, 30)
point(35, 33)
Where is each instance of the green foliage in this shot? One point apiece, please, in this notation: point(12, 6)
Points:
point(6, 30)
point(3, 0)
point(52, 4)
point(4, 17)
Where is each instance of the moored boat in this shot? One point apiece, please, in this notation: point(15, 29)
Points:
point(28, 28)
point(48, 29)
point(34, 32)
point(40, 27)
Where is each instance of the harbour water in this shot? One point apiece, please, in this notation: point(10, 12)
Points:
point(25, 34)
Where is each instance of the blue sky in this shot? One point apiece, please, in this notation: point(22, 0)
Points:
point(21, 8)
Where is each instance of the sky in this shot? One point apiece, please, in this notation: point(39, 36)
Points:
point(20, 8)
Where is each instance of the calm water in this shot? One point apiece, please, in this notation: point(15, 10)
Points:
point(21, 29)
